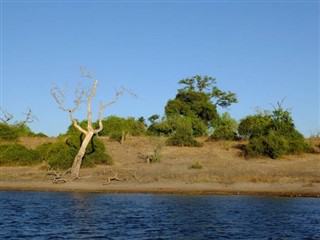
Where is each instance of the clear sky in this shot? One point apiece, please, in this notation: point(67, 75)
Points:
point(263, 51)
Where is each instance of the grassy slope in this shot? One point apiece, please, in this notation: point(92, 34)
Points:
point(221, 163)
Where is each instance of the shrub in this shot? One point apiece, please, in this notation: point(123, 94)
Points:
point(40, 135)
point(115, 127)
point(225, 128)
point(254, 126)
point(156, 156)
point(8, 132)
point(163, 128)
point(183, 135)
point(273, 135)
point(23, 130)
point(196, 165)
point(17, 154)
point(272, 145)
point(223, 133)
point(157, 145)
point(60, 155)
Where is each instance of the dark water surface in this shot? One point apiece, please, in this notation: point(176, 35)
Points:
point(59, 215)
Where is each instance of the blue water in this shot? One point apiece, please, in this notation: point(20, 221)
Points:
point(59, 215)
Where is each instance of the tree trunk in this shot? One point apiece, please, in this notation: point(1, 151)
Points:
point(75, 169)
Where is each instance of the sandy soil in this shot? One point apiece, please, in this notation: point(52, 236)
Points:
point(224, 171)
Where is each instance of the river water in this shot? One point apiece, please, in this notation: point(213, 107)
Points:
point(62, 215)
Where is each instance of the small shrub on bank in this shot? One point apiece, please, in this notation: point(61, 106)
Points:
point(17, 155)
point(196, 165)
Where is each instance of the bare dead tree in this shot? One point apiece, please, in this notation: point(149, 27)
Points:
point(6, 117)
point(30, 117)
point(89, 132)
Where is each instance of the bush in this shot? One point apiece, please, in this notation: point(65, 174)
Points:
point(225, 128)
point(8, 132)
point(40, 135)
point(272, 145)
point(272, 135)
point(13, 132)
point(115, 127)
point(223, 133)
point(163, 128)
point(196, 165)
point(17, 155)
point(183, 135)
point(254, 126)
point(60, 155)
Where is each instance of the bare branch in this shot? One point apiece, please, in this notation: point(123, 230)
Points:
point(75, 123)
point(5, 116)
point(103, 106)
point(89, 113)
point(59, 96)
point(112, 178)
point(29, 117)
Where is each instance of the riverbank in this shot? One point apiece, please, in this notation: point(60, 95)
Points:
point(286, 190)
point(215, 168)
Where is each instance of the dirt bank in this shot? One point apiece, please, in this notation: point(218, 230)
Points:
point(223, 171)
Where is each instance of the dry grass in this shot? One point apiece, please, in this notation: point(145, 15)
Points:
point(221, 163)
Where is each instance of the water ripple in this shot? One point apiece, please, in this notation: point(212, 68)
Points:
point(52, 215)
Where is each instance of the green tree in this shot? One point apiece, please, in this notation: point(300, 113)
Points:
point(199, 98)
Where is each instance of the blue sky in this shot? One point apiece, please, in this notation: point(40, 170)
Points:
point(263, 51)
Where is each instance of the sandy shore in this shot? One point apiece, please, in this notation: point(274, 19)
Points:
point(290, 190)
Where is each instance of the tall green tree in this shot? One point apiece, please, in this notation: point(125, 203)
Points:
point(199, 98)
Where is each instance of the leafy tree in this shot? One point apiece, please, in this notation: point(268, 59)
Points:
point(199, 98)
